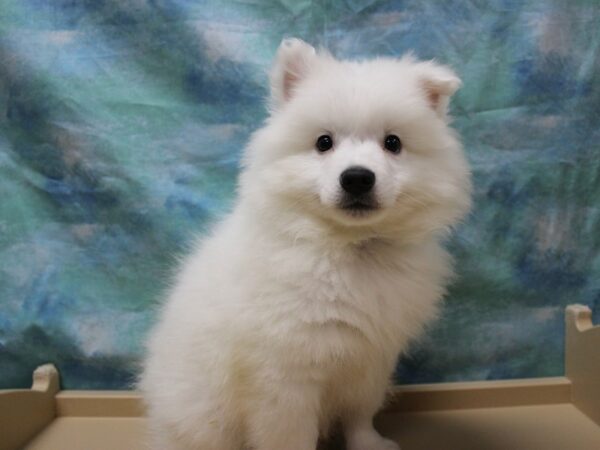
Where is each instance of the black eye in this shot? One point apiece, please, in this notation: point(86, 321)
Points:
point(324, 143)
point(392, 143)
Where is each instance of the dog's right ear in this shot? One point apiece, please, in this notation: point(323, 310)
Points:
point(292, 64)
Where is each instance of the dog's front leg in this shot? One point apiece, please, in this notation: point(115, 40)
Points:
point(360, 435)
point(362, 402)
point(286, 418)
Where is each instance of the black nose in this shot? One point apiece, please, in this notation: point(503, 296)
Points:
point(357, 180)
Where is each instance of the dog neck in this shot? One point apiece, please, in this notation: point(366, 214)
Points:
point(292, 227)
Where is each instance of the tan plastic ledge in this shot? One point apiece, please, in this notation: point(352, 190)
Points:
point(561, 413)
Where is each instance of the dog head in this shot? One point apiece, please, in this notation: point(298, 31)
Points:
point(361, 145)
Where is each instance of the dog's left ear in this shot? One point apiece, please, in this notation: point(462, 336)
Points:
point(439, 83)
point(292, 64)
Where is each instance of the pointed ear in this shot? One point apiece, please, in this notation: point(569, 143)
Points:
point(292, 64)
point(439, 83)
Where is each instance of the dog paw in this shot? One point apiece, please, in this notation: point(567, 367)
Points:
point(373, 442)
point(386, 444)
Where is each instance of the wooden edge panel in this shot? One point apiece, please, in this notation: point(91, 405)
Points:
point(480, 394)
point(582, 360)
point(424, 397)
point(99, 404)
point(25, 412)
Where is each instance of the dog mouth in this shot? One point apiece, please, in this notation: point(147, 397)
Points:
point(358, 207)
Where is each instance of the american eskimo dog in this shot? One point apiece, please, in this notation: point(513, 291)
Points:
point(290, 315)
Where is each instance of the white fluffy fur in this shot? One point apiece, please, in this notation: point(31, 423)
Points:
point(291, 314)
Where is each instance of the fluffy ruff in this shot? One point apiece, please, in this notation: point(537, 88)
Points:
point(290, 316)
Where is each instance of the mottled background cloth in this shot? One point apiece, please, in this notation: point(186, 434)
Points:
point(121, 127)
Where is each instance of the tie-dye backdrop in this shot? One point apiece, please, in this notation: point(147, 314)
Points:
point(121, 126)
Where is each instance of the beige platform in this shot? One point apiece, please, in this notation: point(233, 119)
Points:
point(560, 413)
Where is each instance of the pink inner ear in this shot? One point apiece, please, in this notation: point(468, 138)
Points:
point(436, 90)
point(289, 81)
point(433, 97)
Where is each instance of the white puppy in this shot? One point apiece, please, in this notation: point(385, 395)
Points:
point(290, 316)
